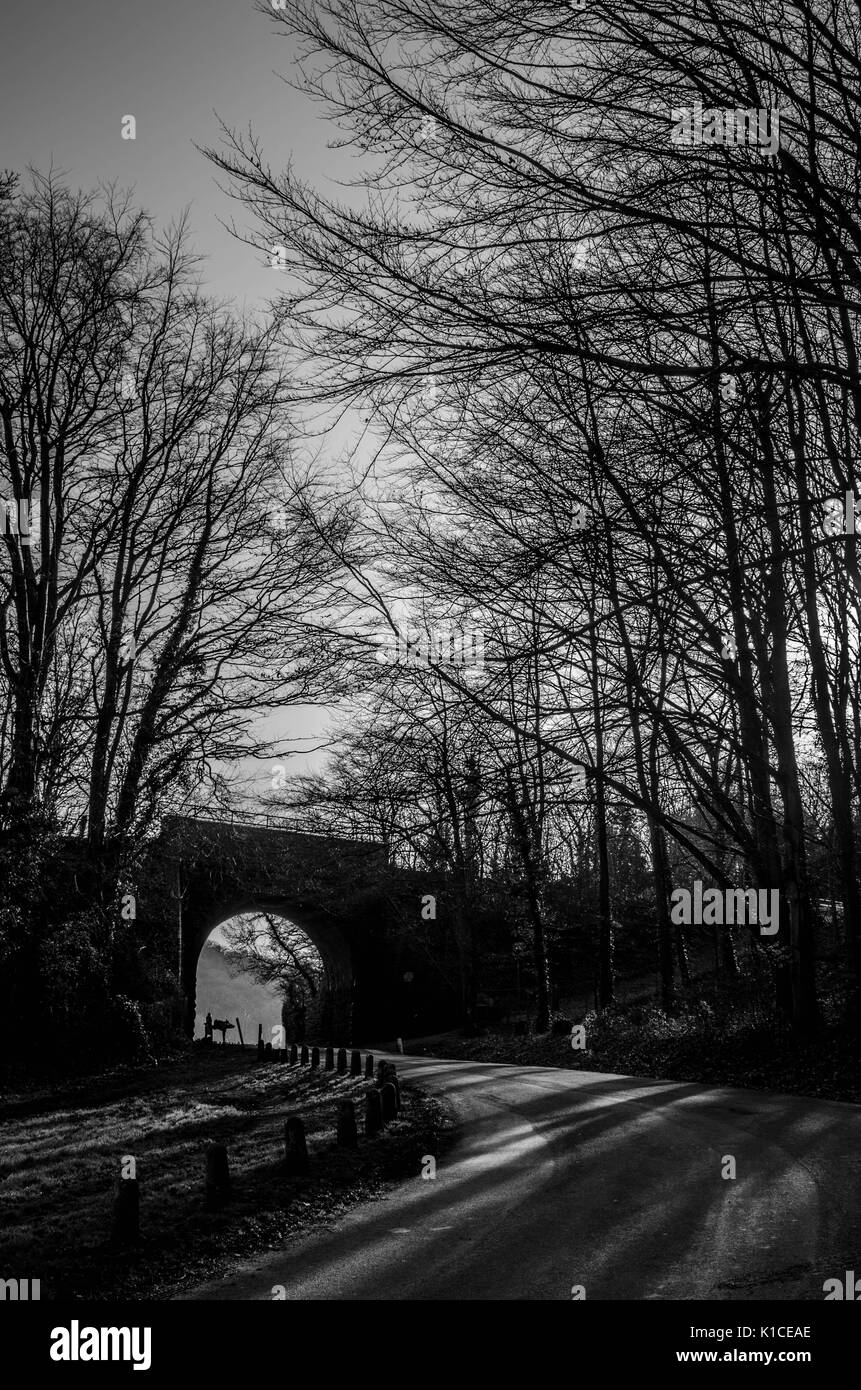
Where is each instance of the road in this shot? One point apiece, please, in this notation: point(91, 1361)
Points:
point(613, 1183)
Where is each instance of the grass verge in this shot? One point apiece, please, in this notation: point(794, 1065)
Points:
point(699, 1043)
point(61, 1154)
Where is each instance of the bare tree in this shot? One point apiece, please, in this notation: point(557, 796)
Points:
point(661, 331)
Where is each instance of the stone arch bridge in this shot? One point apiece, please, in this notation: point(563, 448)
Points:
point(204, 872)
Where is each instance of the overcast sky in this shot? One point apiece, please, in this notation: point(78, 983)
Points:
point(73, 71)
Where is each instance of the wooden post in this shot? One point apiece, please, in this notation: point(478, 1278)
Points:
point(330, 1058)
point(304, 1056)
point(369, 1067)
point(315, 1057)
point(239, 1031)
point(347, 1136)
point(373, 1112)
point(355, 1063)
point(261, 1050)
point(294, 1054)
point(388, 1102)
point(390, 1074)
point(342, 1061)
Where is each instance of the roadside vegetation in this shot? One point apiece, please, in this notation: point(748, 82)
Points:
point(62, 1154)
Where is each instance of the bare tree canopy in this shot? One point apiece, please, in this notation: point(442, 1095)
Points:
point(597, 295)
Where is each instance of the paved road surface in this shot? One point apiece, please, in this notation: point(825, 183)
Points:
point(561, 1178)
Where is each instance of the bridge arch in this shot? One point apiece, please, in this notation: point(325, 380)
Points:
point(200, 872)
point(326, 935)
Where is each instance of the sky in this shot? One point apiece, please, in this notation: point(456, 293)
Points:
point(73, 71)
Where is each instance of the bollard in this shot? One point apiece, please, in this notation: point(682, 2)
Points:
point(295, 1148)
point(392, 1079)
point(369, 1067)
point(347, 1136)
point(342, 1061)
point(217, 1176)
point(294, 1054)
point(388, 1102)
point(391, 1074)
point(268, 1050)
point(330, 1059)
point(373, 1112)
point(304, 1055)
point(355, 1064)
point(125, 1217)
point(315, 1057)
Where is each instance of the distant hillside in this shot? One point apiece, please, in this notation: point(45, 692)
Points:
point(224, 996)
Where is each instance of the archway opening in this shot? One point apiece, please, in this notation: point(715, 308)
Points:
point(261, 970)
